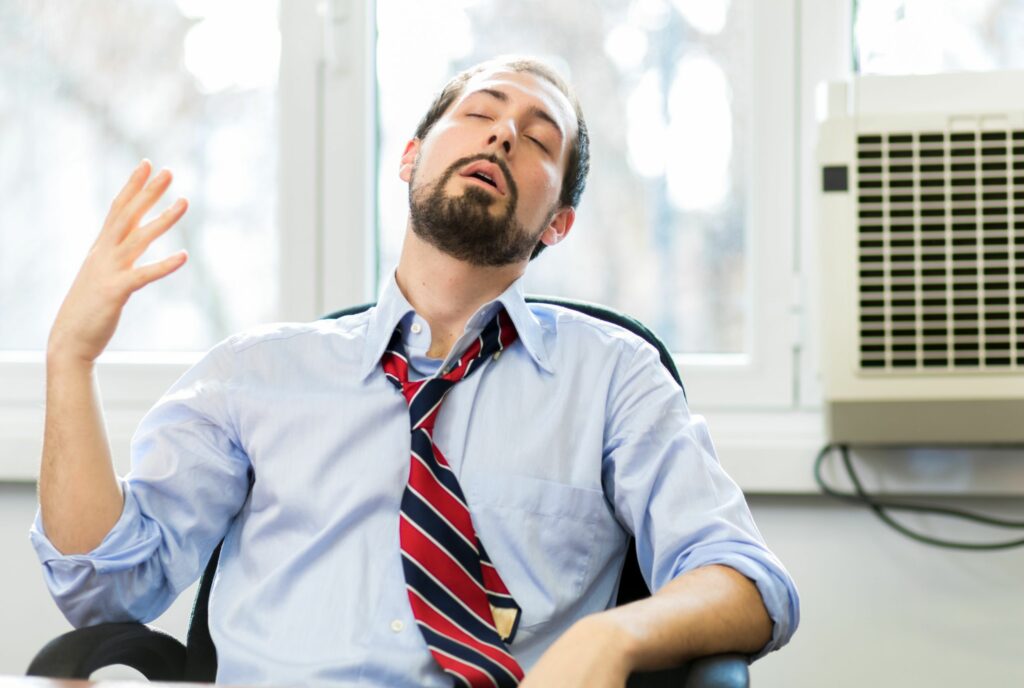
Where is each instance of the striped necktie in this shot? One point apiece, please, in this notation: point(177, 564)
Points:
point(462, 607)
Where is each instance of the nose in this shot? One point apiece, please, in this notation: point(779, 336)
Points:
point(504, 134)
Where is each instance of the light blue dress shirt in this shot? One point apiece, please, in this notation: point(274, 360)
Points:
point(290, 444)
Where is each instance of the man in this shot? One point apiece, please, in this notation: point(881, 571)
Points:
point(559, 436)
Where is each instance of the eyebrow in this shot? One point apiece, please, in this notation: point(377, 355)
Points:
point(540, 113)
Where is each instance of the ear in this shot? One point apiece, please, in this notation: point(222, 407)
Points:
point(559, 226)
point(412, 151)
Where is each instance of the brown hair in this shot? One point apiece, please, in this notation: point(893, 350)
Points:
point(576, 170)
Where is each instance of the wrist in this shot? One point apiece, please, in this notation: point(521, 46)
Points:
point(65, 359)
point(616, 637)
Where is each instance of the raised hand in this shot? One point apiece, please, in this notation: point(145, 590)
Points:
point(92, 308)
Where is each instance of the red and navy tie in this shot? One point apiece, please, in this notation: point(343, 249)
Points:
point(461, 605)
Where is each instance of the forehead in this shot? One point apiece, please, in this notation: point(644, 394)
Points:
point(529, 88)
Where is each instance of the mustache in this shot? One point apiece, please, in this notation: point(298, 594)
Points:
point(513, 191)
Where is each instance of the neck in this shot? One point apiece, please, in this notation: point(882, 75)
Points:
point(445, 291)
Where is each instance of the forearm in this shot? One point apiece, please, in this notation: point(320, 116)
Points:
point(79, 495)
point(706, 611)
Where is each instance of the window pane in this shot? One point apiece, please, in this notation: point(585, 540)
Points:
point(89, 88)
point(667, 93)
point(931, 36)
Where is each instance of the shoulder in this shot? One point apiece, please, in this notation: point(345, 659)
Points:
point(620, 352)
point(572, 328)
point(302, 334)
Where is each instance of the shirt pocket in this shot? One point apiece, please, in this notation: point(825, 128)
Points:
point(542, 537)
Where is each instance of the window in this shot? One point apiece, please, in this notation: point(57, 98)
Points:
point(90, 88)
point(703, 224)
point(666, 88)
point(929, 36)
point(686, 220)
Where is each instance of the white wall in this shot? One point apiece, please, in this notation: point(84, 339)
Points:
point(882, 610)
point(878, 610)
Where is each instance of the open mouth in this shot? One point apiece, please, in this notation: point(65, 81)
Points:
point(487, 173)
point(485, 179)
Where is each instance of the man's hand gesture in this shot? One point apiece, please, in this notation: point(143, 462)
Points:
point(91, 310)
point(79, 495)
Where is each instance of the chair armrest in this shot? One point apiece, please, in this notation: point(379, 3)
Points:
point(79, 653)
point(719, 671)
point(716, 671)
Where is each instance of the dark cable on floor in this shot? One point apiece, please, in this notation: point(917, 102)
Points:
point(880, 506)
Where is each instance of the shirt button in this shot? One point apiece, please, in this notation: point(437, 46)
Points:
point(397, 625)
point(416, 328)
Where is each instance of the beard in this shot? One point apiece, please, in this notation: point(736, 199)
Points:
point(464, 226)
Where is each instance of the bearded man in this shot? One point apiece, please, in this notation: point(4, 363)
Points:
point(372, 536)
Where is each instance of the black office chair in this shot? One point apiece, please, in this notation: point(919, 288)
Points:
point(160, 657)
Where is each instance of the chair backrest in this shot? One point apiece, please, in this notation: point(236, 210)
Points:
point(201, 655)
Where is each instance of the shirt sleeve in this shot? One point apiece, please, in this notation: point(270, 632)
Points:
point(188, 479)
point(669, 490)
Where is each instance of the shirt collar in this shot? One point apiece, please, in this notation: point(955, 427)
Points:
point(392, 306)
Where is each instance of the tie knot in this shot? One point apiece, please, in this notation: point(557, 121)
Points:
point(492, 340)
point(424, 397)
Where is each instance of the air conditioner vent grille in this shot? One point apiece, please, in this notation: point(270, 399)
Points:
point(940, 250)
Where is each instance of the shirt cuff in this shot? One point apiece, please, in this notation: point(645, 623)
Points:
point(127, 544)
point(775, 586)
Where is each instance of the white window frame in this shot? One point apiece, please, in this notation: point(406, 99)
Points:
point(825, 55)
point(771, 451)
point(763, 378)
point(131, 382)
point(751, 401)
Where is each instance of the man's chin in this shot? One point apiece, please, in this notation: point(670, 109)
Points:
point(477, 196)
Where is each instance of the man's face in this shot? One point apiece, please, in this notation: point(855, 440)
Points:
point(516, 129)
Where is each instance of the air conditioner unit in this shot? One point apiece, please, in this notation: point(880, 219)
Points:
point(922, 265)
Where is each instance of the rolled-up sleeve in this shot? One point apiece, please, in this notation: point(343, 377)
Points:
point(668, 489)
point(189, 477)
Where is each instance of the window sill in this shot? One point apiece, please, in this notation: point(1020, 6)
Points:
point(774, 453)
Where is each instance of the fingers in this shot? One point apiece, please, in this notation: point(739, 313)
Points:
point(151, 272)
point(139, 240)
point(122, 235)
point(138, 205)
point(135, 182)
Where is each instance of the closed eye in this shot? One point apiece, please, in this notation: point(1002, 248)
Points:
point(536, 141)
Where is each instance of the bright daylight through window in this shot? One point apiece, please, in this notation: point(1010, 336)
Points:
point(930, 36)
point(666, 87)
point(190, 85)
